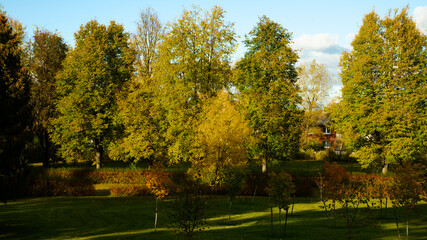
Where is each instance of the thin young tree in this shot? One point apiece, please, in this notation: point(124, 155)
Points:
point(280, 189)
point(158, 182)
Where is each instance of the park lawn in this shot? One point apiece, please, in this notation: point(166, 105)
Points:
point(133, 218)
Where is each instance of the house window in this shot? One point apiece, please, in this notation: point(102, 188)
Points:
point(326, 144)
point(326, 130)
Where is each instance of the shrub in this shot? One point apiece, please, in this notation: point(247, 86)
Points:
point(304, 186)
point(189, 210)
point(129, 191)
point(48, 186)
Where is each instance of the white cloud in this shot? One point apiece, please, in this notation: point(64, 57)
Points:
point(316, 42)
point(420, 16)
point(350, 37)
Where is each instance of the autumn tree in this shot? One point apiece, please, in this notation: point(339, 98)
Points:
point(194, 60)
point(221, 137)
point(189, 209)
point(266, 78)
point(314, 83)
point(382, 113)
point(14, 104)
point(280, 189)
point(146, 41)
point(157, 181)
point(407, 190)
point(94, 73)
point(142, 116)
point(47, 52)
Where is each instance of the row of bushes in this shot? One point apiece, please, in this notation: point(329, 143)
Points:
point(99, 176)
point(80, 182)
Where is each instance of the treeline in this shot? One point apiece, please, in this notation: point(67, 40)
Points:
point(164, 94)
point(171, 94)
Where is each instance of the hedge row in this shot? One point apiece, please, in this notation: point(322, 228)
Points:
point(100, 176)
point(80, 182)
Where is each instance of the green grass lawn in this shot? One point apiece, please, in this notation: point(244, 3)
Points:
point(133, 218)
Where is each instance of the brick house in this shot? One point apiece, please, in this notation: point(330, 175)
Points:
point(323, 133)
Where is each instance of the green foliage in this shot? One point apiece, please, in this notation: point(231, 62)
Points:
point(315, 145)
point(93, 75)
point(14, 104)
point(408, 185)
point(234, 179)
point(189, 210)
point(383, 109)
point(194, 60)
point(47, 52)
point(142, 117)
point(266, 78)
point(280, 189)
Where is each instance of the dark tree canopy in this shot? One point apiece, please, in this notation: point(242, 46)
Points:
point(47, 52)
point(93, 75)
point(266, 78)
point(14, 97)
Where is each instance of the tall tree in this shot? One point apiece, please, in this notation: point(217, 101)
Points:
point(266, 77)
point(146, 40)
point(140, 114)
point(383, 112)
point(14, 98)
point(93, 75)
point(194, 59)
point(47, 52)
point(314, 82)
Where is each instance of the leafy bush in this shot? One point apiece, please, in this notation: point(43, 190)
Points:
point(189, 210)
point(48, 186)
point(304, 186)
point(129, 191)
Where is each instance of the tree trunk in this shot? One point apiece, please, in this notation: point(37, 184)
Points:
point(385, 168)
point(229, 212)
point(386, 201)
point(44, 145)
point(272, 230)
point(155, 218)
point(397, 223)
point(280, 221)
point(407, 225)
point(286, 221)
point(98, 154)
point(264, 166)
point(98, 159)
point(293, 203)
point(253, 197)
point(46, 151)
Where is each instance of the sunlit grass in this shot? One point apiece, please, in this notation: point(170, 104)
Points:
point(133, 218)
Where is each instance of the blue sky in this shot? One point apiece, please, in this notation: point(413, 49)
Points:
point(321, 29)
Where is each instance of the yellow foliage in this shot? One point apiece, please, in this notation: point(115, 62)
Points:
point(221, 137)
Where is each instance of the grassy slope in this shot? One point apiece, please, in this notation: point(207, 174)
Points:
point(132, 218)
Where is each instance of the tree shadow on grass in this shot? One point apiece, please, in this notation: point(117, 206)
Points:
point(133, 218)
